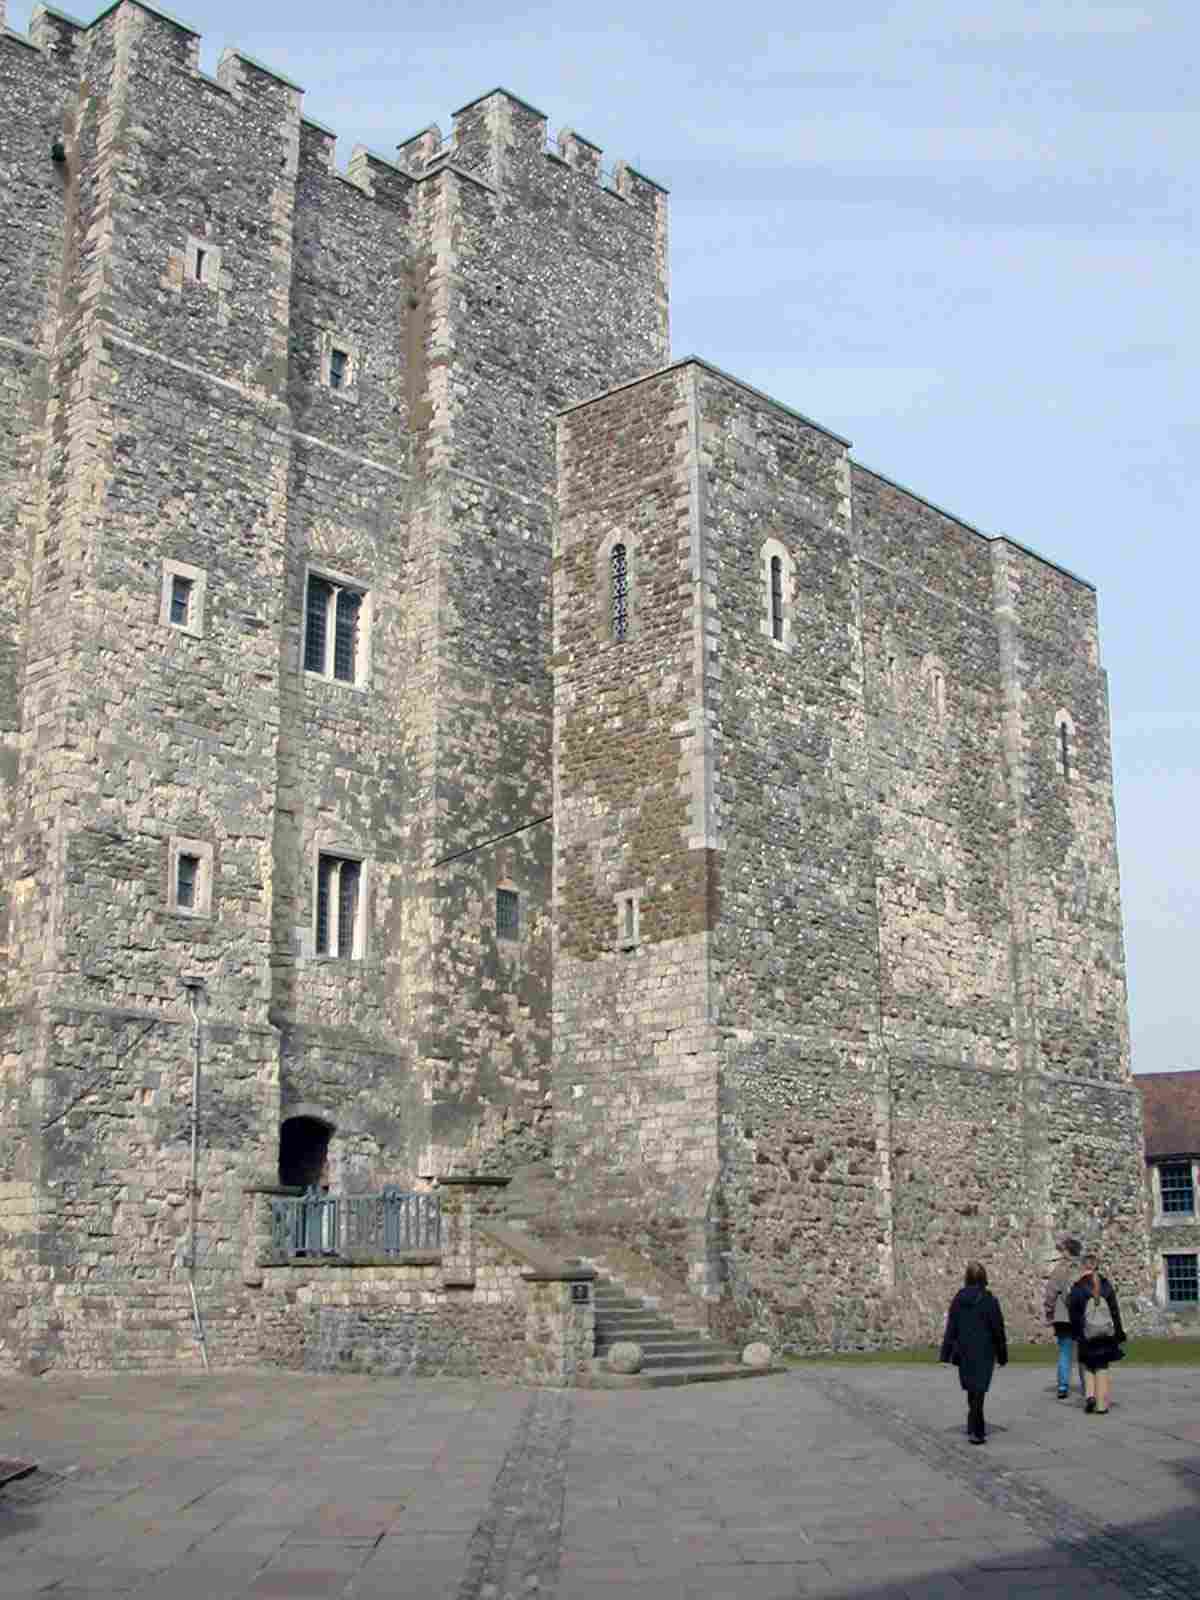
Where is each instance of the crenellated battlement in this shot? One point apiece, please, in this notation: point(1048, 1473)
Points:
point(488, 132)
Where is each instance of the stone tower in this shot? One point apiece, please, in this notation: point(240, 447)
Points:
point(839, 988)
point(276, 486)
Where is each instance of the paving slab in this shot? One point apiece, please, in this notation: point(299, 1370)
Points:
point(831, 1482)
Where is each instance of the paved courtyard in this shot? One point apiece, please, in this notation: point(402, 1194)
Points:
point(829, 1481)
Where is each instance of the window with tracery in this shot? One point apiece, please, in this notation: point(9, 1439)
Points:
point(619, 562)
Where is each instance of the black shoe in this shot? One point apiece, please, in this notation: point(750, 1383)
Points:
point(977, 1438)
point(1089, 1406)
point(1064, 1394)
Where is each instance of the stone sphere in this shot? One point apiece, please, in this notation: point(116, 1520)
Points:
point(756, 1355)
point(625, 1357)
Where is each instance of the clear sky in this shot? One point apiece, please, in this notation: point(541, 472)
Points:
point(960, 232)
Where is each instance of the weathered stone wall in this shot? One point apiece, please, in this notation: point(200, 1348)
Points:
point(174, 290)
point(911, 962)
point(545, 285)
point(635, 1050)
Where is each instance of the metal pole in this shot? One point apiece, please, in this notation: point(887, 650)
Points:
point(195, 988)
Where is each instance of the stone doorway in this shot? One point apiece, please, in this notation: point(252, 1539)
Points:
point(304, 1152)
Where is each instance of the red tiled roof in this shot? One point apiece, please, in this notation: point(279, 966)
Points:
point(1171, 1103)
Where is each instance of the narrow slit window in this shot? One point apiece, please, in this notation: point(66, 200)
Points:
point(201, 258)
point(508, 914)
point(620, 592)
point(181, 601)
point(777, 599)
point(630, 920)
point(339, 369)
point(937, 692)
point(1064, 749)
point(187, 877)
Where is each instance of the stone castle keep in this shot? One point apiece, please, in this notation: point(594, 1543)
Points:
point(525, 755)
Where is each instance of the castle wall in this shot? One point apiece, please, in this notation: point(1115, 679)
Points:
point(635, 1046)
point(543, 284)
point(795, 969)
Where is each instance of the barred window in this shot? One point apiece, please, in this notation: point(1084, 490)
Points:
point(776, 598)
point(1178, 1192)
point(508, 914)
point(181, 601)
point(187, 873)
point(333, 614)
point(339, 369)
point(620, 592)
point(1183, 1281)
point(338, 910)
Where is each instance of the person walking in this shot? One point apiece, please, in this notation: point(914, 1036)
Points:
point(1096, 1324)
point(1064, 1274)
point(975, 1342)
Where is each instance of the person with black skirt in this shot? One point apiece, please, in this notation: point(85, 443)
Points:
point(975, 1342)
point(1096, 1324)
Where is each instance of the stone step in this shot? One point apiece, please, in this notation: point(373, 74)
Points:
point(670, 1377)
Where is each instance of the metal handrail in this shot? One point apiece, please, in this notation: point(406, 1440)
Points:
point(317, 1224)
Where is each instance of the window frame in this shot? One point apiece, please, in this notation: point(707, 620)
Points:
point(603, 591)
point(1170, 1256)
point(332, 340)
point(773, 550)
point(516, 932)
point(202, 263)
point(628, 905)
point(1161, 1212)
point(200, 850)
point(198, 578)
point(337, 856)
point(339, 583)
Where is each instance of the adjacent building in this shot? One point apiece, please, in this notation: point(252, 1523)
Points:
point(1171, 1107)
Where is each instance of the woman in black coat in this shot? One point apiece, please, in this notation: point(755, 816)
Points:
point(975, 1343)
point(1096, 1324)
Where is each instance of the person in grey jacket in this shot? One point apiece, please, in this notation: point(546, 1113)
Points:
point(1063, 1276)
point(975, 1342)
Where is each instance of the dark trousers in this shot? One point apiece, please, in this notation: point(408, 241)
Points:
point(975, 1425)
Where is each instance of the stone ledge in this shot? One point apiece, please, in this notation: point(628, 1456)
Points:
point(406, 1258)
point(544, 1265)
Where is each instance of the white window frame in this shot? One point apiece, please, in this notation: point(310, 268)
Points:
point(339, 582)
point(358, 942)
point(1175, 1219)
point(1162, 1295)
point(203, 851)
point(198, 578)
point(771, 549)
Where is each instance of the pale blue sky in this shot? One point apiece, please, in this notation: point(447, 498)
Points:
point(961, 234)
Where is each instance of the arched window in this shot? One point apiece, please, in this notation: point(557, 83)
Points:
point(777, 576)
point(777, 599)
point(619, 564)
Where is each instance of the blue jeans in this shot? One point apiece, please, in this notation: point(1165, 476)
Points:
point(1066, 1353)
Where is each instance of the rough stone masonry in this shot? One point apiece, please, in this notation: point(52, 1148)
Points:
point(675, 801)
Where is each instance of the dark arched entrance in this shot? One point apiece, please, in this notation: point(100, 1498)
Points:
point(304, 1152)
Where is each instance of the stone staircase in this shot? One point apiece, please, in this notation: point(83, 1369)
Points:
point(670, 1355)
